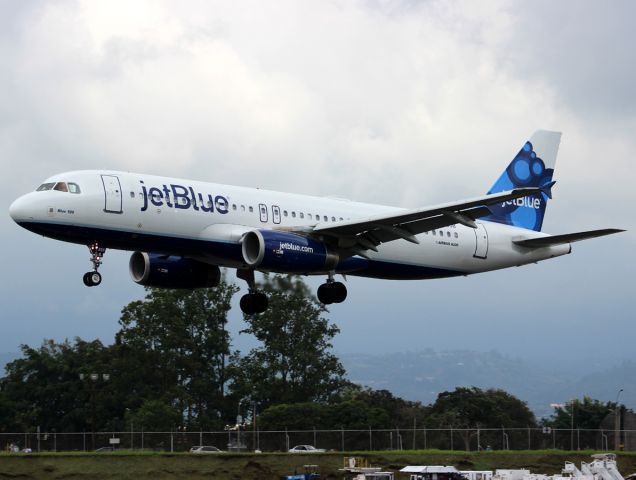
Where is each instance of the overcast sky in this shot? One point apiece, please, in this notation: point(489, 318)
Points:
point(404, 103)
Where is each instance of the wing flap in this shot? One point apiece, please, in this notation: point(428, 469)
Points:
point(565, 238)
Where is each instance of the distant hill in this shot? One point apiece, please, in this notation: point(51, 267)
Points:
point(422, 375)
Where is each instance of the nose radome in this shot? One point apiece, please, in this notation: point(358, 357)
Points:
point(19, 210)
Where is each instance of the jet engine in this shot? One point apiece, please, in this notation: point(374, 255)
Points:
point(156, 270)
point(286, 252)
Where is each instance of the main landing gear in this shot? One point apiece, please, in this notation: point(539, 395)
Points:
point(332, 292)
point(94, 278)
point(254, 301)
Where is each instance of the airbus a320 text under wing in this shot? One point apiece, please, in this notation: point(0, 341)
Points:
point(182, 231)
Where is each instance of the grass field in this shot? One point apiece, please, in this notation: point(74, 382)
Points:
point(155, 466)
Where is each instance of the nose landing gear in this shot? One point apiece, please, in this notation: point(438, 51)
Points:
point(254, 301)
point(94, 278)
point(332, 292)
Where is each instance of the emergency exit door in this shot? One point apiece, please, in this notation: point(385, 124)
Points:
point(481, 241)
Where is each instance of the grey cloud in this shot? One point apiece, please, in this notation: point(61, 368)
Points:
point(584, 49)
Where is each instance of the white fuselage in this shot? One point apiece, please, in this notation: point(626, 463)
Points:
point(206, 222)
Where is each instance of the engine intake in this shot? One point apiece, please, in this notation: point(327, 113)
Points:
point(156, 270)
point(286, 252)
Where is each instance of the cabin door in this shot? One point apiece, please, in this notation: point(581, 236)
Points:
point(481, 241)
point(112, 194)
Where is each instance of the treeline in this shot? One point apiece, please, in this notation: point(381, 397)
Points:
point(172, 367)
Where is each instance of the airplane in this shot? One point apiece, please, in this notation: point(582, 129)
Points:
point(182, 231)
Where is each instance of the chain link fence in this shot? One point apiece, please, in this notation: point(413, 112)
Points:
point(337, 440)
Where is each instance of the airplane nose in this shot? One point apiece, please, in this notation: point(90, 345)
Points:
point(19, 210)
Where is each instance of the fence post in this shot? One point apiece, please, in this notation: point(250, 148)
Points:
point(528, 437)
point(451, 438)
point(424, 438)
point(342, 430)
point(171, 442)
point(370, 439)
point(414, 430)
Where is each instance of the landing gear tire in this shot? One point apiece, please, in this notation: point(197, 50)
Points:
point(92, 279)
point(339, 292)
point(252, 303)
point(332, 292)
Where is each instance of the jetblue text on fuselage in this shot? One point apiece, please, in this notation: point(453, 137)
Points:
point(184, 198)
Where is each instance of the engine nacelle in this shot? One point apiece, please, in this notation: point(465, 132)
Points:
point(155, 270)
point(286, 252)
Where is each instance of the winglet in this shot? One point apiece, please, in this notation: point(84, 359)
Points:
point(547, 188)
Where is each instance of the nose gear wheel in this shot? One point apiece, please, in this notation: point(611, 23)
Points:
point(94, 278)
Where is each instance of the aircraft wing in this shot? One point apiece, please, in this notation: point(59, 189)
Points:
point(561, 239)
point(368, 233)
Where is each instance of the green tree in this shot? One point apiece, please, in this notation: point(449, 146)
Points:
point(466, 408)
point(154, 416)
point(586, 413)
point(177, 341)
point(45, 389)
point(293, 363)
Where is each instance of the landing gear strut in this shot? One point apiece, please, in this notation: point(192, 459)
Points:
point(332, 291)
point(94, 278)
point(254, 301)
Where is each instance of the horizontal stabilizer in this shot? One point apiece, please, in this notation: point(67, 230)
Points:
point(561, 239)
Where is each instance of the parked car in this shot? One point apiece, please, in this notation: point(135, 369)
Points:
point(306, 449)
point(205, 449)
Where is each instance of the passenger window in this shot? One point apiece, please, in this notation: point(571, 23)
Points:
point(284, 213)
point(448, 234)
point(242, 208)
point(74, 188)
point(434, 232)
point(325, 218)
point(302, 215)
point(456, 236)
point(234, 206)
point(132, 194)
point(61, 187)
point(45, 186)
point(341, 219)
point(251, 209)
point(333, 219)
point(293, 214)
point(441, 233)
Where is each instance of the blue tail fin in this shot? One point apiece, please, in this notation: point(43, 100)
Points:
point(532, 167)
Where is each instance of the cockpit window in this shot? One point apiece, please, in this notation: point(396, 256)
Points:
point(73, 187)
point(45, 186)
point(61, 187)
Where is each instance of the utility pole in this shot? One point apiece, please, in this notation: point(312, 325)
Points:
point(617, 423)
